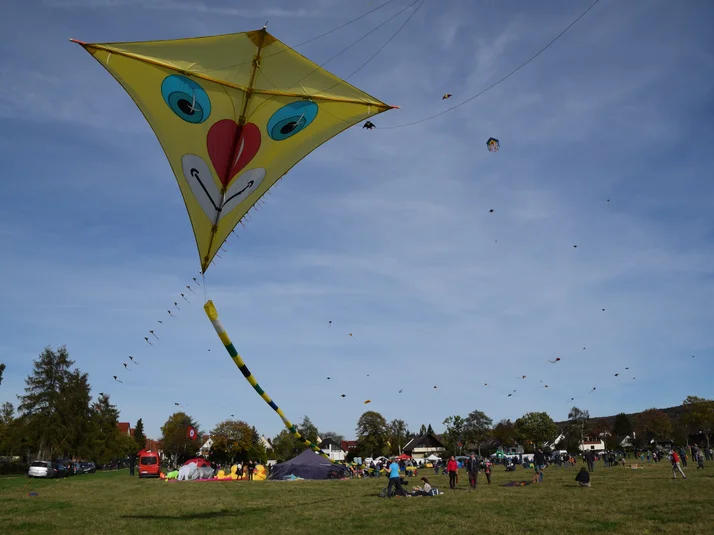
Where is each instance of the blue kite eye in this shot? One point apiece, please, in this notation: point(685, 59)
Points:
point(186, 98)
point(291, 119)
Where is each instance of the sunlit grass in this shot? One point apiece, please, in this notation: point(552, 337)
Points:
point(620, 501)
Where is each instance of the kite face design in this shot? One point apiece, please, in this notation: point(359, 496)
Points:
point(186, 98)
point(291, 119)
point(233, 113)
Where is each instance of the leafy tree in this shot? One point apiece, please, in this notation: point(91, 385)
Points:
point(477, 428)
point(577, 423)
point(700, 415)
point(397, 431)
point(505, 432)
point(175, 439)
point(232, 439)
point(7, 413)
point(307, 430)
point(139, 436)
point(623, 425)
point(454, 434)
point(332, 435)
point(108, 442)
point(654, 425)
point(287, 446)
point(429, 429)
point(372, 434)
point(537, 427)
point(257, 450)
point(422, 430)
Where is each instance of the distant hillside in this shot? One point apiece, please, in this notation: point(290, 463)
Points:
point(674, 414)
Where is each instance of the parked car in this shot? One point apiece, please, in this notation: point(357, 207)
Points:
point(87, 468)
point(59, 469)
point(41, 469)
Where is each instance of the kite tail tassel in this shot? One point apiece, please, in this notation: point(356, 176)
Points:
point(212, 314)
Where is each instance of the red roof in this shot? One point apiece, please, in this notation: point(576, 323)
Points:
point(348, 445)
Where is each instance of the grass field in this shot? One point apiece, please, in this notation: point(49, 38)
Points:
point(620, 501)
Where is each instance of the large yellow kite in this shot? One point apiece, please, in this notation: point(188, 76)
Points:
point(233, 114)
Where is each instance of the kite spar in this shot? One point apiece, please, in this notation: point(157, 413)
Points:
point(233, 113)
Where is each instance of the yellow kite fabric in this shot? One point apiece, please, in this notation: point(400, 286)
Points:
point(233, 114)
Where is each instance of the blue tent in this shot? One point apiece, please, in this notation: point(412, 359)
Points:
point(308, 465)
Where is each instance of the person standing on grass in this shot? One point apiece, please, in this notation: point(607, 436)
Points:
point(676, 466)
point(472, 468)
point(132, 461)
point(452, 467)
point(590, 460)
point(395, 479)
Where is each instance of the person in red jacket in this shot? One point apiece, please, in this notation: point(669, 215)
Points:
point(675, 465)
point(452, 467)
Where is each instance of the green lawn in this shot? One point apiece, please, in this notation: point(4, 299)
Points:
point(620, 501)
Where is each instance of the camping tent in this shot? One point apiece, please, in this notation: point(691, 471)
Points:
point(308, 465)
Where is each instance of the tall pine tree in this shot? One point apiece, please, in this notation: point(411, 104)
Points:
point(139, 436)
point(40, 406)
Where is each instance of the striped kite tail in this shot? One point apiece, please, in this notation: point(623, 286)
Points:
point(212, 314)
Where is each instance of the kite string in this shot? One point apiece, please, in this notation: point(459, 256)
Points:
point(394, 35)
point(289, 48)
point(499, 81)
point(320, 66)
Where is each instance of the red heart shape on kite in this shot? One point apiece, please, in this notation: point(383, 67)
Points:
point(231, 148)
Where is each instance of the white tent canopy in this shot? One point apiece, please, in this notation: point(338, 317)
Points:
point(433, 457)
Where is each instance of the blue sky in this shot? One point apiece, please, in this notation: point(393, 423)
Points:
point(387, 233)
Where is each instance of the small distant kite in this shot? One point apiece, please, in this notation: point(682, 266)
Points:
point(178, 405)
point(152, 332)
point(368, 125)
point(126, 366)
point(401, 391)
point(617, 375)
point(593, 390)
point(603, 310)
point(147, 340)
point(434, 386)
point(329, 323)
point(554, 361)
point(117, 380)
point(194, 280)
point(546, 386)
point(446, 95)
point(328, 378)
point(342, 395)
point(189, 288)
point(522, 377)
point(170, 314)
point(161, 322)
point(184, 298)
point(191, 433)
point(132, 360)
point(355, 339)
point(367, 401)
point(176, 305)
point(491, 211)
point(493, 144)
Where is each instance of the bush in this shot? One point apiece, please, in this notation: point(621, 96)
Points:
point(13, 468)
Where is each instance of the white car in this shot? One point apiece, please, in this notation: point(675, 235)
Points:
point(41, 469)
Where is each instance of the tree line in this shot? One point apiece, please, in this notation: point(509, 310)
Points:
point(57, 417)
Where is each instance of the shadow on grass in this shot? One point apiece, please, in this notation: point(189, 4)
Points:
point(219, 514)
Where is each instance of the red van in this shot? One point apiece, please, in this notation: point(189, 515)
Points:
point(149, 463)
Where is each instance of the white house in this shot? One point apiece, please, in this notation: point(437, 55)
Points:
point(592, 444)
point(332, 449)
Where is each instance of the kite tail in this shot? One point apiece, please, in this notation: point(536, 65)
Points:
point(212, 314)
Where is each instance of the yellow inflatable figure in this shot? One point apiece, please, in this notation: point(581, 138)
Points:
point(260, 473)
